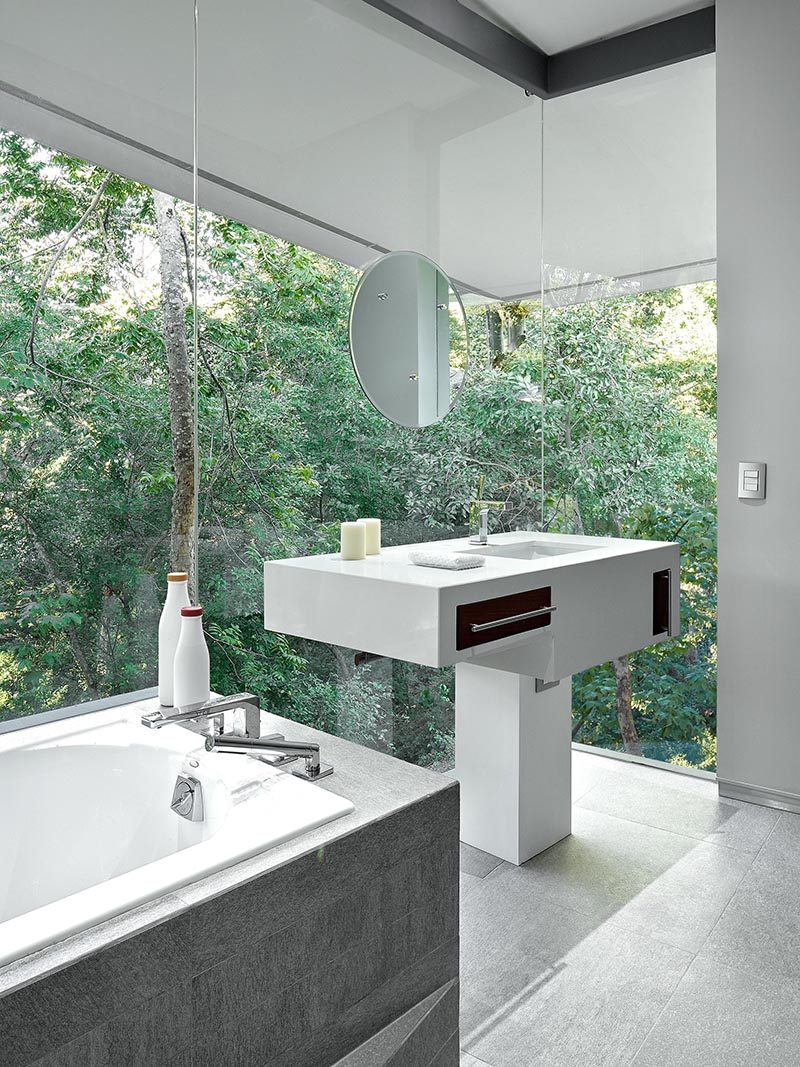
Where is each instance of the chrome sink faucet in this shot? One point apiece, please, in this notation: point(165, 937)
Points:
point(481, 509)
point(272, 748)
point(479, 515)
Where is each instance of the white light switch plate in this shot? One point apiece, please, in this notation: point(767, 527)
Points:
point(752, 480)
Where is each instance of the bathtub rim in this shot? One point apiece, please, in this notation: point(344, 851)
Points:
point(71, 711)
point(69, 915)
point(379, 785)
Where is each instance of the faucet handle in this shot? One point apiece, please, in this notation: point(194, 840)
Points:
point(478, 504)
point(479, 508)
point(212, 710)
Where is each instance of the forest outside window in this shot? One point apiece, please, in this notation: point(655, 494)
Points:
point(98, 486)
point(96, 426)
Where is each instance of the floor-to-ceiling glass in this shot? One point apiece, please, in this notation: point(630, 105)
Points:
point(329, 133)
point(95, 119)
point(629, 246)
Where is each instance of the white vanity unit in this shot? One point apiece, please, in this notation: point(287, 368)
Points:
point(543, 607)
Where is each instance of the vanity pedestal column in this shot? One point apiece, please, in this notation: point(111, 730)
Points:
point(513, 761)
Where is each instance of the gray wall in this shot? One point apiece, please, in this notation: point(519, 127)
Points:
point(758, 159)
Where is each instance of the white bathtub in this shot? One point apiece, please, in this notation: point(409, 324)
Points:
point(86, 829)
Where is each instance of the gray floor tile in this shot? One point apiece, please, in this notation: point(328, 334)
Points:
point(671, 888)
point(723, 1017)
point(782, 847)
point(682, 906)
point(604, 865)
point(682, 805)
point(476, 862)
point(591, 1004)
point(468, 882)
point(589, 770)
point(759, 932)
point(507, 922)
point(470, 1061)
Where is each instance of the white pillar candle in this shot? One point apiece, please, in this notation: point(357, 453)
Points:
point(372, 528)
point(354, 541)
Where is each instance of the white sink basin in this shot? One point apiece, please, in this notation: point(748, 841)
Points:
point(525, 550)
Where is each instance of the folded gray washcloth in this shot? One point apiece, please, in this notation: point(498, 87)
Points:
point(451, 561)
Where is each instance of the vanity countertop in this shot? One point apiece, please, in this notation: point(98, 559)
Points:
point(377, 784)
point(393, 564)
point(601, 590)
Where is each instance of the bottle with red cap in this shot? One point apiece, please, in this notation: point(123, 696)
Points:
point(191, 677)
point(169, 630)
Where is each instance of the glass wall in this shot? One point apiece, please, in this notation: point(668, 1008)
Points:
point(579, 233)
point(87, 478)
point(348, 133)
point(630, 378)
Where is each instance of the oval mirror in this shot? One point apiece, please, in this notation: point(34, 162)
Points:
point(408, 338)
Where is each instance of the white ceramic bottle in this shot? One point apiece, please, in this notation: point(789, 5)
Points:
point(191, 684)
point(169, 628)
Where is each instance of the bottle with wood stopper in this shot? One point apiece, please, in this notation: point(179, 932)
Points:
point(169, 628)
point(191, 679)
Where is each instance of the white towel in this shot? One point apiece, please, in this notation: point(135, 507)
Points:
point(451, 561)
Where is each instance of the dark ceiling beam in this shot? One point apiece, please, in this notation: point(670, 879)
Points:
point(671, 41)
point(471, 35)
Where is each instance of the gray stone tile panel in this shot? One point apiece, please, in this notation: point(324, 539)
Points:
point(447, 1056)
point(105, 935)
point(241, 983)
point(48, 1014)
point(309, 1006)
point(433, 1031)
point(347, 1030)
point(150, 1035)
point(381, 1046)
point(287, 896)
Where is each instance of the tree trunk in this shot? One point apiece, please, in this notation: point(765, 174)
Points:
point(627, 727)
point(494, 336)
point(181, 405)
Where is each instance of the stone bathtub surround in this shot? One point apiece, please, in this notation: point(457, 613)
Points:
point(298, 956)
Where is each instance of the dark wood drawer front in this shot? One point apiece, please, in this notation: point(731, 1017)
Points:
point(493, 611)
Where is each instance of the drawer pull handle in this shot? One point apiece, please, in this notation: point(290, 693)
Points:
point(478, 627)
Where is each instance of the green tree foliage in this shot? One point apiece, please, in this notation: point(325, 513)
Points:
point(289, 447)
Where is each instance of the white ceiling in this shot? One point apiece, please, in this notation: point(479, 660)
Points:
point(337, 127)
point(554, 25)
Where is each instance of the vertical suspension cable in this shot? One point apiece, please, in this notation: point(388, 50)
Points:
point(195, 324)
point(542, 318)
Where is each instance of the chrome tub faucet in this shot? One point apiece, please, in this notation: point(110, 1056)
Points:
point(209, 717)
point(276, 750)
point(209, 711)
